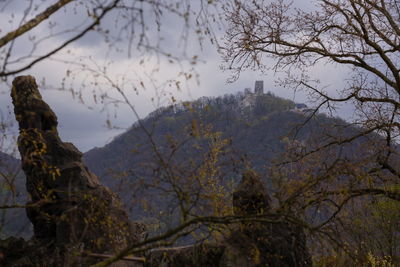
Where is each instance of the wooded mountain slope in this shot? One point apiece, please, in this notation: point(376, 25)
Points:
point(173, 146)
point(159, 156)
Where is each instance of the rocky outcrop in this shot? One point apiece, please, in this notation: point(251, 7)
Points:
point(276, 243)
point(68, 207)
point(248, 244)
point(250, 196)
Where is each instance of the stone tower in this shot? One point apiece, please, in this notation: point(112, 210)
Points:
point(259, 88)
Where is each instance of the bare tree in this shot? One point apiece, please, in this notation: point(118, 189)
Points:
point(36, 36)
point(131, 18)
point(362, 36)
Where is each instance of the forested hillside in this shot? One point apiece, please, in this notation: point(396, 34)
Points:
point(214, 137)
point(13, 192)
point(184, 161)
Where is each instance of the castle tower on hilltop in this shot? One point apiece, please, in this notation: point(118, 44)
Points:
point(250, 98)
point(259, 88)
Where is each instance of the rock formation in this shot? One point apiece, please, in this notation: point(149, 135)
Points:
point(274, 244)
point(250, 197)
point(68, 207)
point(247, 244)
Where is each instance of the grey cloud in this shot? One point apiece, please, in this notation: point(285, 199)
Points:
point(85, 127)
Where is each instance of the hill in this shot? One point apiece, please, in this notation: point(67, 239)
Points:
point(173, 151)
point(185, 159)
point(13, 192)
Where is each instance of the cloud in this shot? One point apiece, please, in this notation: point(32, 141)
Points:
point(84, 124)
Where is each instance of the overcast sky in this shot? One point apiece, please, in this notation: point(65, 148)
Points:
point(84, 124)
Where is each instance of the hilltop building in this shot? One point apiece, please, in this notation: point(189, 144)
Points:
point(303, 108)
point(300, 106)
point(249, 97)
point(259, 88)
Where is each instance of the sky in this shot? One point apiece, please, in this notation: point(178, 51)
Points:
point(86, 106)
